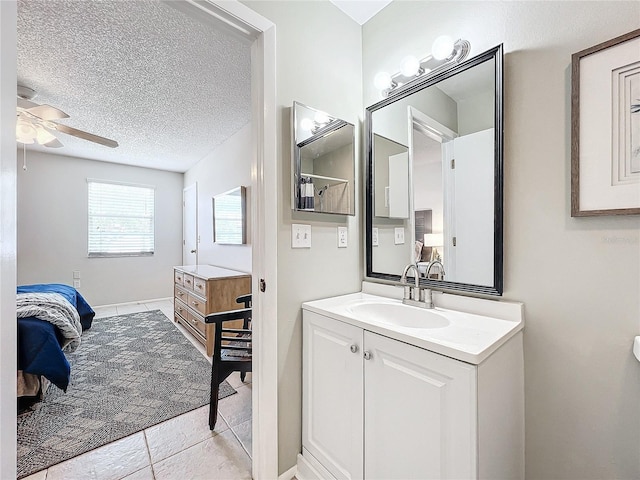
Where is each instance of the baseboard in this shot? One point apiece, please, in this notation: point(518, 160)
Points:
point(136, 302)
point(310, 469)
point(289, 474)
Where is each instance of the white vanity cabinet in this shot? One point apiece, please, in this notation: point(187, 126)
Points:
point(375, 407)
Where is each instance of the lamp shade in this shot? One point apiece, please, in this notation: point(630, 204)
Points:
point(433, 239)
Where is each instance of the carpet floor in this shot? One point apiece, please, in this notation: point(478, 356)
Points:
point(130, 372)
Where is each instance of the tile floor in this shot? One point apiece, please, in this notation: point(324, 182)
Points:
point(180, 448)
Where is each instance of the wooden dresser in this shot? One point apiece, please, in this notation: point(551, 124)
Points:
point(203, 289)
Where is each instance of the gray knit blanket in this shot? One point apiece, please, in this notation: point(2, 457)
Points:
point(55, 309)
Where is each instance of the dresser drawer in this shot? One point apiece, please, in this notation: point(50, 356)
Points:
point(198, 304)
point(197, 322)
point(178, 277)
point(200, 286)
point(180, 294)
point(180, 308)
point(188, 281)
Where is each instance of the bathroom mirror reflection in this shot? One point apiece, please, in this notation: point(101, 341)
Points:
point(323, 162)
point(434, 189)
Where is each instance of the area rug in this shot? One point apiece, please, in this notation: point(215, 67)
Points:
point(130, 373)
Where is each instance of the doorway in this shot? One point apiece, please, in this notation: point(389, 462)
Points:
point(264, 231)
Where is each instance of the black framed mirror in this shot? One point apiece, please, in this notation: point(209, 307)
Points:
point(434, 180)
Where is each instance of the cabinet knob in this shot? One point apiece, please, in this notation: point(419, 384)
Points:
point(354, 348)
point(195, 304)
point(367, 355)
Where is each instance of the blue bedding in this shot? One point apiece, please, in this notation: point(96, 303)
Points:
point(39, 342)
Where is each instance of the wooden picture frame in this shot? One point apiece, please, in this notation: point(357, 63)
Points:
point(605, 128)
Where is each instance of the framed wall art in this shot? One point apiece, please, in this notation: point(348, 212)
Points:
point(605, 128)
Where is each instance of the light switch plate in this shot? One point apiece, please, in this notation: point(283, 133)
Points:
point(76, 274)
point(343, 234)
point(398, 236)
point(374, 237)
point(76, 284)
point(300, 236)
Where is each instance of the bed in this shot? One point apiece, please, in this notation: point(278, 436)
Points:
point(51, 318)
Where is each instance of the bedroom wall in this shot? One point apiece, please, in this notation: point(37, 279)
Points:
point(8, 330)
point(318, 54)
point(579, 278)
point(52, 230)
point(227, 167)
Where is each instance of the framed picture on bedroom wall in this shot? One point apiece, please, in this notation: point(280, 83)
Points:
point(605, 128)
point(229, 217)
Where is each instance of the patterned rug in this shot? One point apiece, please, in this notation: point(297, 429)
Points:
point(130, 373)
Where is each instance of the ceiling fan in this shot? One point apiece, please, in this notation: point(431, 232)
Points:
point(35, 123)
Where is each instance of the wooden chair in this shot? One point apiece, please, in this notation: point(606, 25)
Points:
point(233, 356)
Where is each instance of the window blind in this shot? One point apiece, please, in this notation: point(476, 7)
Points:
point(121, 219)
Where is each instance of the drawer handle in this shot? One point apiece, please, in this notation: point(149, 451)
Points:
point(199, 286)
point(180, 294)
point(195, 304)
point(367, 355)
point(188, 281)
point(354, 348)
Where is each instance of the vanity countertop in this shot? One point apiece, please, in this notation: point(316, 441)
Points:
point(468, 337)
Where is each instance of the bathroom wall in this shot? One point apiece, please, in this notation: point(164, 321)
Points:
point(52, 229)
point(579, 278)
point(318, 52)
point(224, 169)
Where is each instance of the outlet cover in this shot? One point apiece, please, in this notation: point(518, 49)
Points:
point(374, 237)
point(399, 236)
point(76, 274)
point(76, 284)
point(343, 234)
point(300, 236)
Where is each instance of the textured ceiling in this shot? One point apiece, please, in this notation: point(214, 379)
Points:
point(168, 88)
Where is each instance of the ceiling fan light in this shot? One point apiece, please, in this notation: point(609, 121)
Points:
point(43, 136)
point(25, 132)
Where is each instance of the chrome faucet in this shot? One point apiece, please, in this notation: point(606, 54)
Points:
point(428, 294)
point(431, 265)
point(412, 295)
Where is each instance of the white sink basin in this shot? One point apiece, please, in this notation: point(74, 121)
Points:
point(399, 315)
point(459, 334)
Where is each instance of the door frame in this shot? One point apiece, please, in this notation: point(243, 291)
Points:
point(264, 228)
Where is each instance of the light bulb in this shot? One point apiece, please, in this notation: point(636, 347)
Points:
point(306, 124)
point(442, 47)
point(410, 66)
point(321, 118)
point(382, 80)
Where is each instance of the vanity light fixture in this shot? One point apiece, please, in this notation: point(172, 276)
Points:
point(320, 121)
point(444, 53)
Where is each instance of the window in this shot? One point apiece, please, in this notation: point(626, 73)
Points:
point(121, 219)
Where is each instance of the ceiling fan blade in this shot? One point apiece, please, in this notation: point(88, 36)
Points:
point(47, 112)
point(26, 104)
point(54, 144)
point(86, 136)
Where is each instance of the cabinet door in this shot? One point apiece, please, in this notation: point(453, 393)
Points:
point(332, 394)
point(420, 413)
